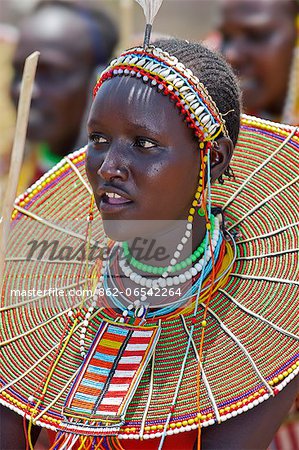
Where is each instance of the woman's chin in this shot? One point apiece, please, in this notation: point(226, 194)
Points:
point(122, 230)
point(128, 230)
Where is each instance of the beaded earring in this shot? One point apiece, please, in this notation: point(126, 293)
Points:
point(207, 208)
point(197, 200)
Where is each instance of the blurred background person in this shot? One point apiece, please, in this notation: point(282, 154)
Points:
point(260, 40)
point(74, 40)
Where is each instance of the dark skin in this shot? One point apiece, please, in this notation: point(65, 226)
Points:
point(258, 38)
point(62, 84)
point(132, 153)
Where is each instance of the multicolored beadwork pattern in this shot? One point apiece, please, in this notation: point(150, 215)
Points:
point(162, 71)
point(252, 324)
point(109, 377)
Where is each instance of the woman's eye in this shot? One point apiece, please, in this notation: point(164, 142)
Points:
point(97, 138)
point(145, 143)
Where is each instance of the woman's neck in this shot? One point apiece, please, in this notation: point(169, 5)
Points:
point(158, 248)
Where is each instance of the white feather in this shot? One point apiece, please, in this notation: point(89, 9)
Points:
point(150, 9)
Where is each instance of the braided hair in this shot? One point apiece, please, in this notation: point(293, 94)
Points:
point(216, 75)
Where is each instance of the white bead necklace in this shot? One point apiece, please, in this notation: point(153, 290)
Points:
point(167, 281)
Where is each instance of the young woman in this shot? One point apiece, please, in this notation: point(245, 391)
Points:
point(193, 323)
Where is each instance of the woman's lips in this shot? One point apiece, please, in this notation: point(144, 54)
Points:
point(112, 202)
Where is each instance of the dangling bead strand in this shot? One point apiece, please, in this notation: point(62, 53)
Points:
point(95, 299)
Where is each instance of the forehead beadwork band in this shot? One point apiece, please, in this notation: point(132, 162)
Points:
point(169, 76)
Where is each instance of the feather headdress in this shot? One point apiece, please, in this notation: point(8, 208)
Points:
point(150, 9)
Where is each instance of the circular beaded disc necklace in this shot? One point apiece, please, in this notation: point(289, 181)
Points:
point(51, 332)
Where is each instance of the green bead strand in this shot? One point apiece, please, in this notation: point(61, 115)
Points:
point(177, 267)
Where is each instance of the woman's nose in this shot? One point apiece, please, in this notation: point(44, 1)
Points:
point(234, 52)
point(113, 166)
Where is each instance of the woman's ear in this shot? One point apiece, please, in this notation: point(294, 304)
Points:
point(220, 155)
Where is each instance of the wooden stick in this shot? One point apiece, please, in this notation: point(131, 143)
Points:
point(17, 155)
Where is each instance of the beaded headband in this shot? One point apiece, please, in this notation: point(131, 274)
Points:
point(164, 72)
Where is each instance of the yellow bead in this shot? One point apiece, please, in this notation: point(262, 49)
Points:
point(197, 195)
point(22, 203)
point(294, 366)
point(190, 219)
point(204, 323)
point(271, 383)
point(194, 203)
point(201, 145)
point(147, 428)
point(280, 377)
point(185, 423)
point(276, 380)
point(205, 158)
point(75, 160)
point(192, 211)
point(172, 425)
point(191, 421)
point(209, 416)
point(160, 427)
point(285, 374)
point(208, 226)
point(153, 427)
point(290, 370)
point(178, 424)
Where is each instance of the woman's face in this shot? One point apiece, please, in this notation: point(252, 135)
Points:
point(142, 160)
point(258, 41)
